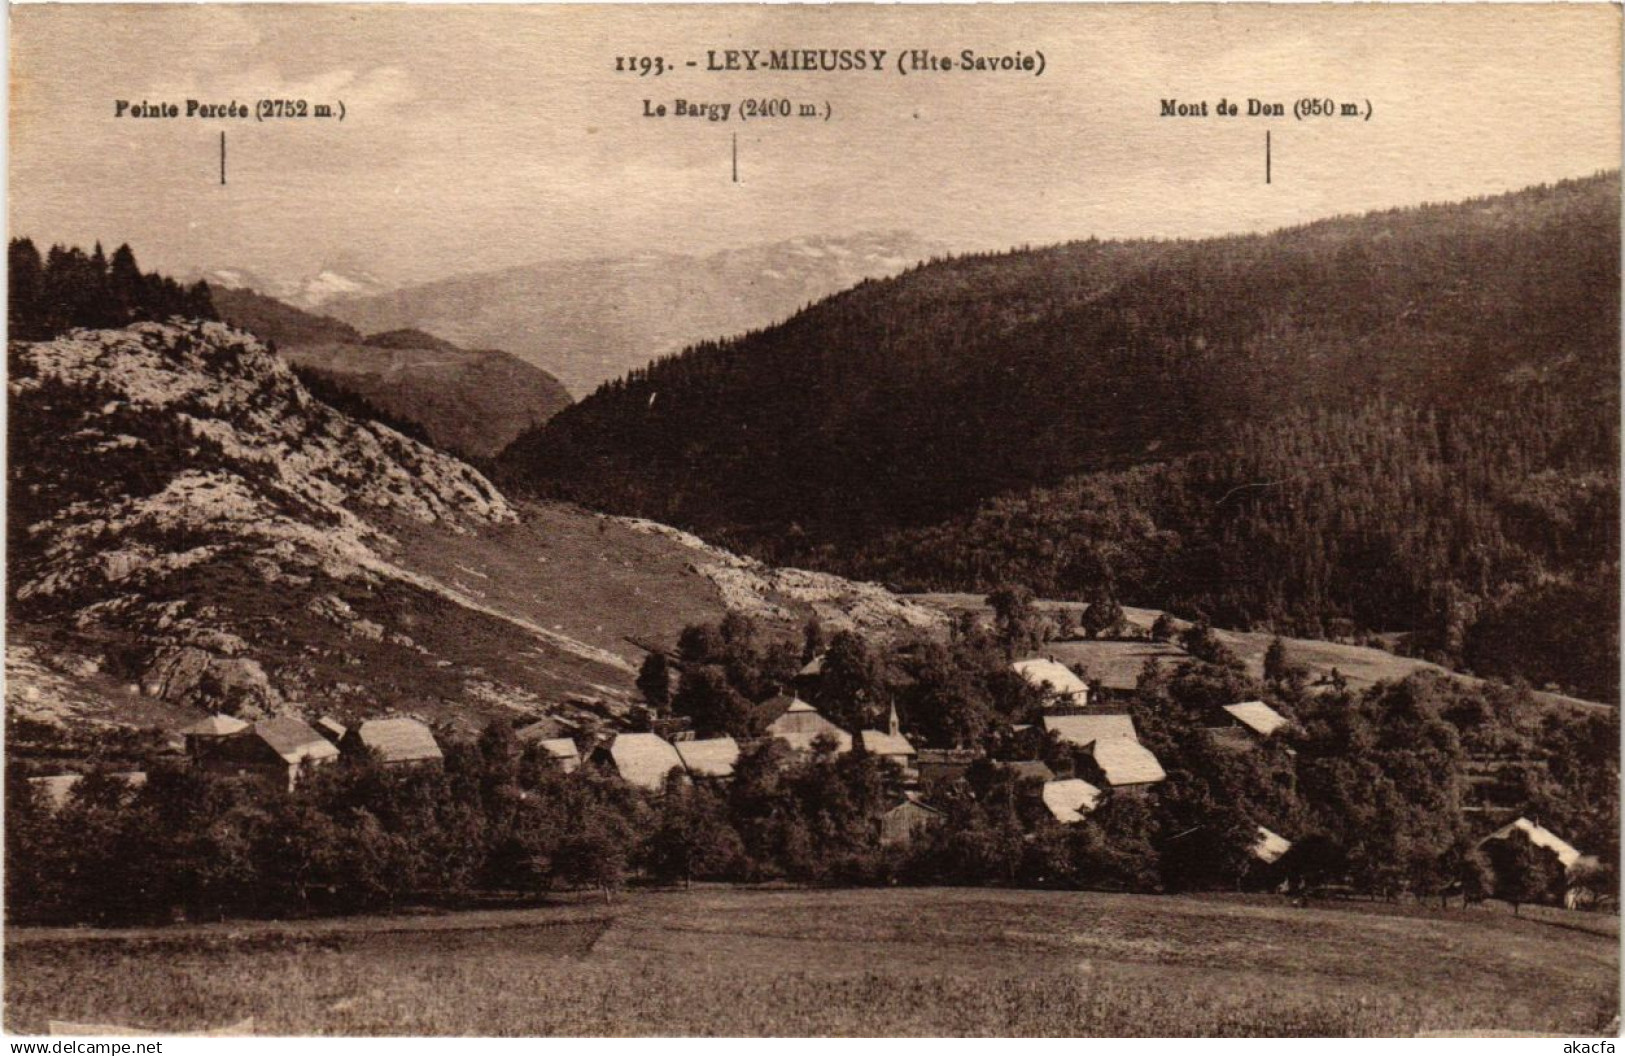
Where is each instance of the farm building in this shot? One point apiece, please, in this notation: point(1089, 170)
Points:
point(1125, 763)
point(55, 790)
point(641, 759)
point(1256, 717)
point(907, 820)
point(1576, 864)
point(1070, 800)
point(798, 724)
point(890, 743)
point(394, 742)
point(1080, 731)
point(202, 736)
point(330, 728)
point(275, 749)
point(1568, 856)
point(1061, 687)
point(712, 758)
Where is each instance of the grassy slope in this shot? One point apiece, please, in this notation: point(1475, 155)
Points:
point(588, 582)
point(894, 962)
point(1361, 665)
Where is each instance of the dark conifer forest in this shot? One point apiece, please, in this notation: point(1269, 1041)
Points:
point(1402, 424)
point(68, 288)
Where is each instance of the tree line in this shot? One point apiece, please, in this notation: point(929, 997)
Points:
point(68, 288)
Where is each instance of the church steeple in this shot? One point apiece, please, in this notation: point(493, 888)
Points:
point(893, 727)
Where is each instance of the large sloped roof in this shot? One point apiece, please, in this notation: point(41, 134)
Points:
point(215, 726)
point(1126, 762)
point(644, 759)
point(1082, 730)
point(1257, 716)
point(1068, 801)
point(879, 742)
point(293, 740)
point(714, 757)
point(799, 724)
point(1052, 676)
point(1540, 836)
point(399, 740)
point(1269, 846)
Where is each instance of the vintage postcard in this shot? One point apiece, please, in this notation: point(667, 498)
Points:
point(1015, 520)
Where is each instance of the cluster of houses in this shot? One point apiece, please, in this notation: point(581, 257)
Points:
point(277, 749)
point(1094, 723)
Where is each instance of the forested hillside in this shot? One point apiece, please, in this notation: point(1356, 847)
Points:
point(1403, 422)
point(468, 402)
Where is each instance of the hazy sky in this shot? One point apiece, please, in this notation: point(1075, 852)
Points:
point(481, 137)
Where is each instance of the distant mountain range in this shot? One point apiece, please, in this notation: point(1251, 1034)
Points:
point(587, 321)
point(1403, 422)
point(469, 402)
point(310, 291)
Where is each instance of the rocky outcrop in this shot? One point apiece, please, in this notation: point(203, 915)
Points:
point(156, 456)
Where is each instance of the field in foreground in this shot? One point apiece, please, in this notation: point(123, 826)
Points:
point(888, 962)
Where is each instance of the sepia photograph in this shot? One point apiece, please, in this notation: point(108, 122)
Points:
point(756, 520)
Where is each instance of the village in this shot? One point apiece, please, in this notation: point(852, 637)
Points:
point(1082, 750)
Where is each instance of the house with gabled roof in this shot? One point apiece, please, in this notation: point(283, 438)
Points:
point(1125, 764)
point(1080, 731)
point(713, 758)
point(643, 760)
point(276, 749)
point(1567, 854)
point(398, 741)
point(1256, 717)
point(563, 751)
point(1069, 801)
point(798, 724)
point(908, 819)
point(203, 736)
point(1577, 866)
point(1062, 688)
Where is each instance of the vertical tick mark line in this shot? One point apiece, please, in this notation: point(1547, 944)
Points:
point(1266, 156)
point(222, 159)
point(736, 157)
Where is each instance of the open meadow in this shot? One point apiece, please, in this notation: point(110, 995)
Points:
point(725, 961)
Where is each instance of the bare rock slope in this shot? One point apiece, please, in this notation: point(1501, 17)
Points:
point(189, 523)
